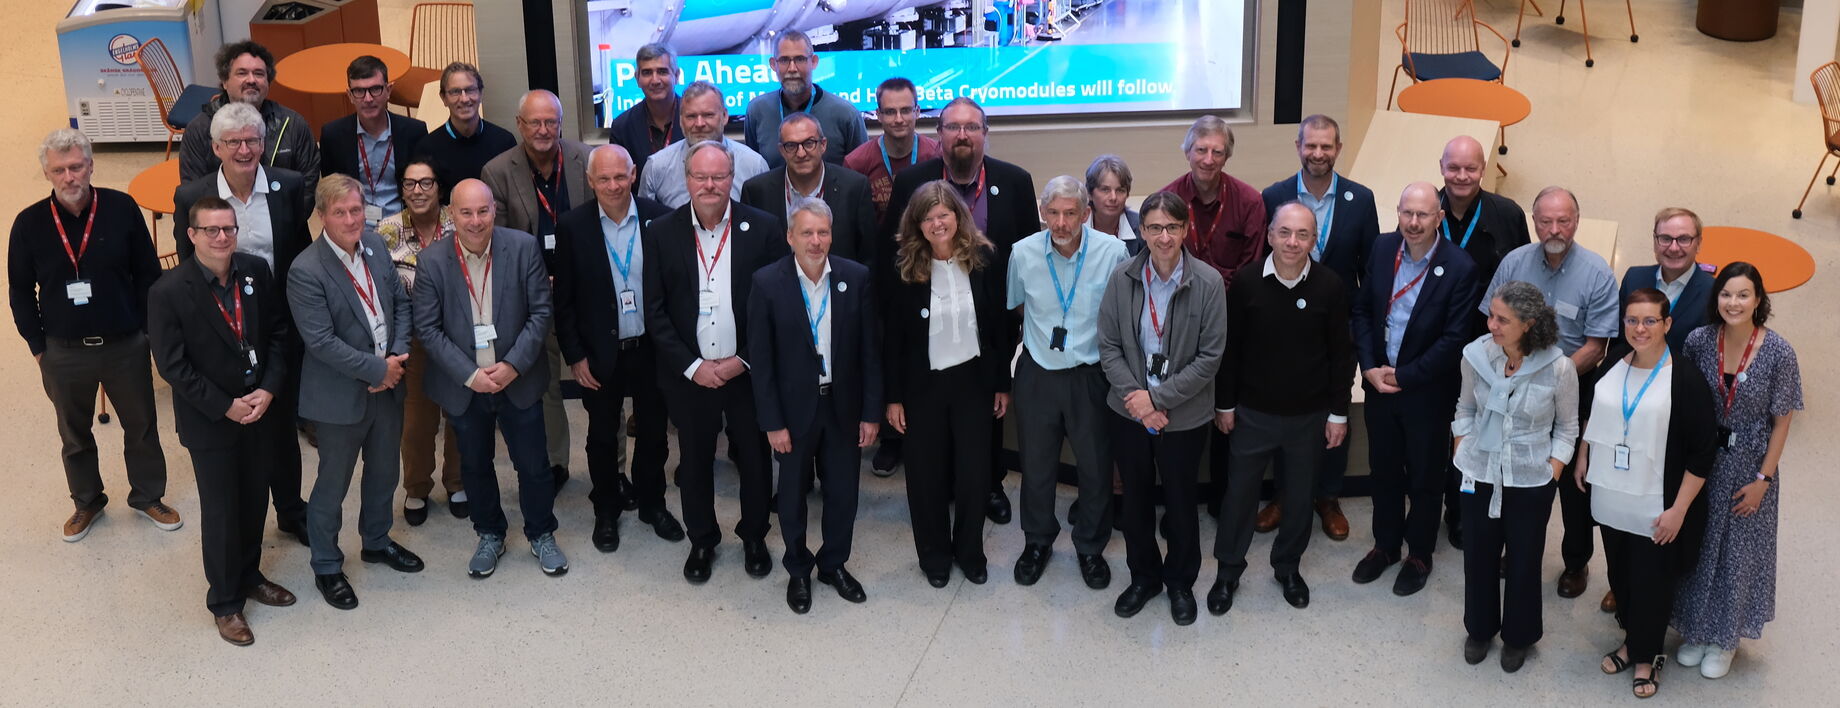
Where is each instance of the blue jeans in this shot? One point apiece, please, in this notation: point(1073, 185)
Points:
point(524, 439)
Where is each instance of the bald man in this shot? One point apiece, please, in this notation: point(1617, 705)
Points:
point(600, 326)
point(1411, 320)
point(530, 191)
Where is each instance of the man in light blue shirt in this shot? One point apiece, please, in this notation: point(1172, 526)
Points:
point(1578, 284)
point(1058, 278)
point(702, 113)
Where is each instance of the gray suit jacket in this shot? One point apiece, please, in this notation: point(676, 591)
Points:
point(520, 312)
point(514, 196)
point(335, 331)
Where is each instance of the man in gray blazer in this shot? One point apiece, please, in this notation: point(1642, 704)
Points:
point(353, 317)
point(530, 192)
point(482, 311)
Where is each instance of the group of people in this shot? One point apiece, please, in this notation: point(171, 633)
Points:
point(810, 299)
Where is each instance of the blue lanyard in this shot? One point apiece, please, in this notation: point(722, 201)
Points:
point(913, 156)
point(1066, 298)
point(625, 268)
point(823, 308)
point(1322, 237)
point(808, 103)
point(1629, 409)
point(1471, 231)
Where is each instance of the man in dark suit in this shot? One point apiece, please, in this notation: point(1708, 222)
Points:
point(651, 124)
point(1411, 320)
point(1347, 228)
point(600, 326)
point(482, 308)
point(1002, 201)
point(818, 391)
point(1677, 273)
point(218, 329)
point(805, 175)
point(353, 318)
point(700, 264)
point(271, 206)
point(372, 145)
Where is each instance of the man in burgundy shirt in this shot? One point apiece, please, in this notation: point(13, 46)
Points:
point(1226, 216)
point(899, 147)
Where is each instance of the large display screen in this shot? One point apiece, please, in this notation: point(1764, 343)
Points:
point(1015, 57)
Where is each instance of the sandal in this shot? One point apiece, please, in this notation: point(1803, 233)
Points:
point(1652, 683)
point(1619, 663)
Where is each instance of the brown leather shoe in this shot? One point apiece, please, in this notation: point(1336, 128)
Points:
point(1609, 602)
point(1573, 581)
point(235, 630)
point(1334, 524)
point(1268, 518)
point(271, 594)
point(79, 523)
point(162, 516)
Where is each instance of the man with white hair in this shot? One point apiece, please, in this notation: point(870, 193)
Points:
point(1057, 277)
point(79, 265)
point(702, 112)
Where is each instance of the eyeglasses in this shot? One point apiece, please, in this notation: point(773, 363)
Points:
point(459, 91)
point(800, 60)
point(418, 185)
point(215, 231)
point(544, 123)
point(368, 91)
point(1160, 229)
point(802, 146)
point(1648, 322)
point(902, 112)
point(234, 143)
point(1665, 240)
point(961, 128)
point(1416, 215)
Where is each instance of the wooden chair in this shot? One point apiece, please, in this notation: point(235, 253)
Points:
point(178, 102)
point(1826, 81)
point(1439, 40)
point(1559, 19)
point(440, 33)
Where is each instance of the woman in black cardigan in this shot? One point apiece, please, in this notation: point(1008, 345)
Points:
point(948, 348)
point(1646, 477)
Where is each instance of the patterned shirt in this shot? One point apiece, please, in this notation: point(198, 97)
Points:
point(404, 245)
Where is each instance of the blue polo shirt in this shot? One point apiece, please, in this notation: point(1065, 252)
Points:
point(1582, 291)
point(1031, 287)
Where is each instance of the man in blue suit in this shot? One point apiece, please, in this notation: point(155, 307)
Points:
point(1677, 273)
point(817, 391)
point(1411, 320)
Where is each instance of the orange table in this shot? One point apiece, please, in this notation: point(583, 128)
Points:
point(1468, 98)
point(1784, 264)
point(153, 189)
point(320, 72)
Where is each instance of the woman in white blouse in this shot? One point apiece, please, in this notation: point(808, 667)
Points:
point(1515, 427)
point(948, 347)
point(1646, 453)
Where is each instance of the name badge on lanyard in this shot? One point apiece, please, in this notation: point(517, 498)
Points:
point(483, 334)
point(629, 303)
point(79, 291)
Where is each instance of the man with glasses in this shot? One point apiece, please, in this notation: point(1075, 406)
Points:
point(462, 146)
point(702, 113)
point(372, 144)
point(796, 63)
point(805, 175)
point(1226, 215)
point(651, 124)
point(245, 70)
point(1677, 273)
point(899, 147)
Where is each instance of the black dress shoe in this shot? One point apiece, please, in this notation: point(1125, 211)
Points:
point(665, 525)
point(1029, 565)
point(798, 595)
point(1412, 576)
point(1454, 527)
point(696, 567)
point(606, 534)
point(1371, 566)
point(939, 579)
point(886, 457)
point(1572, 582)
point(977, 576)
point(1132, 600)
point(1182, 606)
point(1095, 571)
point(1512, 658)
point(297, 529)
point(622, 485)
point(336, 590)
point(1220, 597)
point(561, 474)
point(756, 559)
point(1475, 650)
point(394, 555)
point(846, 585)
point(997, 509)
point(459, 509)
point(1295, 591)
point(416, 517)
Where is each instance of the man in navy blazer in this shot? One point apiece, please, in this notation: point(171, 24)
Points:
point(805, 174)
point(1411, 320)
point(1677, 273)
point(817, 391)
point(371, 145)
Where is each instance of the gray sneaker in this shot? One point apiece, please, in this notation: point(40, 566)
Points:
point(548, 555)
point(485, 557)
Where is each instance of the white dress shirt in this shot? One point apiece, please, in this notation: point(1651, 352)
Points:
point(1629, 500)
point(951, 329)
point(715, 331)
point(815, 293)
point(255, 233)
point(373, 310)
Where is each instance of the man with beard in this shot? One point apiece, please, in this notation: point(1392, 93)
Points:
point(805, 175)
point(899, 147)
point(651, 124)
point(796, 64)
point(462, 146)
point(245, 69)
point(702, 113)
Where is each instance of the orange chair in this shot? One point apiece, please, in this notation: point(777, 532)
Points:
point(440, 33)
point(178, 102)
point(1559, 19)
point(1439, 40)
point(1826, 81)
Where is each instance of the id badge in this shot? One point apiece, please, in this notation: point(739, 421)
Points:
point(822, 367)
point(79, 291)
point(1057, 340)
point(1159, 365)
point(372, 214)
point(1727, 438)
point(1469, 485)
point(629, 303)
point(249, 353)
point(1621, 457)
point(706, 302)
point(549, 242)
point(483, 334)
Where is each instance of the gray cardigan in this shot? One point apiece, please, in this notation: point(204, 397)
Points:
point(1197, 338)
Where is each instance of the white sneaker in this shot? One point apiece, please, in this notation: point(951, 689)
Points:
point(1690, 654)
point(1717, 663)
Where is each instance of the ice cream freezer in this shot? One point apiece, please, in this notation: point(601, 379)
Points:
point(107, 96)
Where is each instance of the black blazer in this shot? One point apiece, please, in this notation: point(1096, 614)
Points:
point(338, 146)
point(1011, 211)
point(196, 352)
point(632, 130)
point(587, 296)
point(853, 225)
point(1689, 312)
point(1503, 228)
point(907, 311)
point(288, 209)
point(1353, 228)
point(1692, 448)
point(1437, 331)
point(785, 364)
point(673, 277)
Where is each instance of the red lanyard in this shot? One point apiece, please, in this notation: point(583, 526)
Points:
point(976, 196)
point(1156, 325)
point(557, 172)
point(236, 323)
point(370, 298)
point(1731, 392)
point(1397, 259)
point(1197, 243)
point(64, 238)
point(365, 155)
point(709, 264)
point(486, 280)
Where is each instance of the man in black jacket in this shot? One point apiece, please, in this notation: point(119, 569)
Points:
point(651, 124)
point(805, 175)
point(372, 144)
point(245, 70)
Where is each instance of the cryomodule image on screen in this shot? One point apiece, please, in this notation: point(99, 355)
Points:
point(1015, 57)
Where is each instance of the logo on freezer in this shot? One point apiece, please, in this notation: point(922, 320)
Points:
point(123, 48)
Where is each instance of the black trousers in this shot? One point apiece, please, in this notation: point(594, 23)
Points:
point(1331, 469)
point(71, 374)
point(1644, 591)
point(283, 456)
point(1578, 543)
point(1141, 457)
point(1490, 606)
point(947, 452)
point(634, 376)
point(1408, 458)
point(832, 444)
point(1258, 438)
point(701, 414)
point(1053, 408)
point(232, 506)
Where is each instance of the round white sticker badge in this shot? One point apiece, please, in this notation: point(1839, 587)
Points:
point(744, 226)
point(1438, 271)
point(1301, 303)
